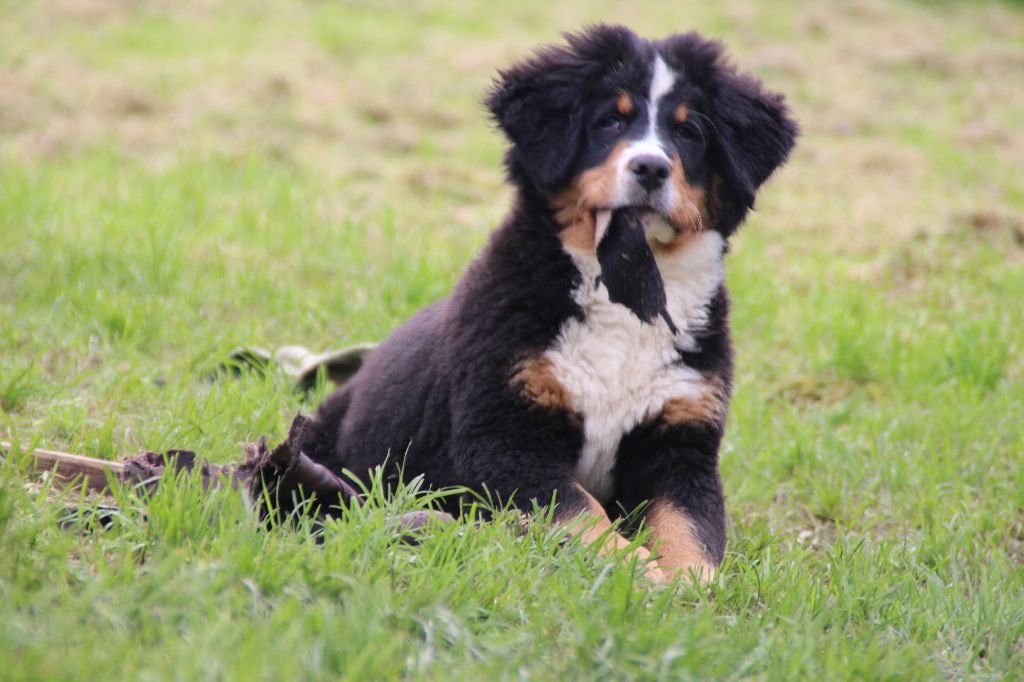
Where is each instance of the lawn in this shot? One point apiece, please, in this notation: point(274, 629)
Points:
point(178, 179)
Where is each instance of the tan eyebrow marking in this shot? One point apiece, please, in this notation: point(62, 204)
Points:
point(682, 113)
point(624, 104)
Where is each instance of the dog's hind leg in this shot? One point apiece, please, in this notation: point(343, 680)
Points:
point(320, 440)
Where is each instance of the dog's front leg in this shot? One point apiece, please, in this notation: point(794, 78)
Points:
point(672, 474)
point(686, 514)
point(547, 438)
point(525, 479)
point(676, 543)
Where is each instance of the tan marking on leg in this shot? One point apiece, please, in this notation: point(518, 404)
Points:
point(593, 189)
point(674, 541)
point(624, 104)
point(592, 525)
point(682, 113)
point(711, 407)
point(535, 379)
point(688, 214)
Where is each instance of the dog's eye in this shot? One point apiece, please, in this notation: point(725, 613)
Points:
point(611, 122)
point(688, 132)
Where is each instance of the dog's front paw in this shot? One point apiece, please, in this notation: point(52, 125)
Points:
point(654, 573)
point(700, 573)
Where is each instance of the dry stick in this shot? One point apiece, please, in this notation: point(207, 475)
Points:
point(68, 468)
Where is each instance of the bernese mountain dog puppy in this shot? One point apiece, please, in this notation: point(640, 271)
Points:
point(584, 358)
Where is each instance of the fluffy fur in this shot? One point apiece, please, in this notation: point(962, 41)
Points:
point(584, 356)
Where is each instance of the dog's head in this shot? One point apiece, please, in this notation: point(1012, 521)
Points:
point(611, 120)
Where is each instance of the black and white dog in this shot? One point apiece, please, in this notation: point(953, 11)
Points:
point(585, 354)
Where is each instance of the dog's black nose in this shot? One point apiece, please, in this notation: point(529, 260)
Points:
point(650, 171)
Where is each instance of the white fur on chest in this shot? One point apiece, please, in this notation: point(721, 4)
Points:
point(618, 369)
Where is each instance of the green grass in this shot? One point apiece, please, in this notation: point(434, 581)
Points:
point(178, 179)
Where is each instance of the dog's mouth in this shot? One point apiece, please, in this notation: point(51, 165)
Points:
point(656, 225)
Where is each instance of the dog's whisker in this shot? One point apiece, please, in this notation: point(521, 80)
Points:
point(579, 210)
point(699, 216)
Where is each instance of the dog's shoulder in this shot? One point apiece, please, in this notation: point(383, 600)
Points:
point(516, 294)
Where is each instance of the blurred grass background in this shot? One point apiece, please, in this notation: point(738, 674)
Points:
point(177, 179)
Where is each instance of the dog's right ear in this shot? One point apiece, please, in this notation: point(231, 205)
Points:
point(538, 103)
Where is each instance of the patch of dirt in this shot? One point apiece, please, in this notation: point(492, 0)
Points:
point(87, 11)
point(992, 223)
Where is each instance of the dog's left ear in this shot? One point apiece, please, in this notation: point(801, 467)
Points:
point(753, 128)
point(755, 132)
point(538, 103)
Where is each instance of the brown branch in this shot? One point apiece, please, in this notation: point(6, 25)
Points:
point(70, 469)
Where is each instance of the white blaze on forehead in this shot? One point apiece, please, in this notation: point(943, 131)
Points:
point(661, 83)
